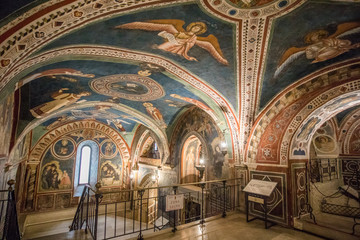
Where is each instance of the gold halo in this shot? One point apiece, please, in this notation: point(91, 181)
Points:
point(201, 24)
point(144, 73)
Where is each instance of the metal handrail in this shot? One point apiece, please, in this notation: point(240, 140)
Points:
point(11, 226)
point(167, 186)
point(135, 211)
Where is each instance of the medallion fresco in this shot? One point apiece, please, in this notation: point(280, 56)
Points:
point(324, 144)
point(143, 87)
point(128, 86)
point(64, 148)
point(165, 32)
point(331, 36)
point(59, 165)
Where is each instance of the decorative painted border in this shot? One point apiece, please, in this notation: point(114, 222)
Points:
point(295, 92)
point(122, 54)
point(55, 134)
point(312, 109)
point(53, 152)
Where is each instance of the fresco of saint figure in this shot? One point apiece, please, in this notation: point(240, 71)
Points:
point(155, 113)
point(50, 177)
point(109, 174)
point(321, 45)
point(53, 178)
point(218, 161)
point(178, 40)
point(308, 128)
point(109, 149)
point(52, 73)
point(324, 144)
point(61, 99)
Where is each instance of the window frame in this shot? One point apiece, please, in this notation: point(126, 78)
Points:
point(80, 164)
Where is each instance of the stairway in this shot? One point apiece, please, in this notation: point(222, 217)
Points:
point(47, 223)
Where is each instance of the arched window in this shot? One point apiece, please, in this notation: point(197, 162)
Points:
point(85, 159)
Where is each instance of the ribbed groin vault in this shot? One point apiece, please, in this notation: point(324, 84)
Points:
point(151, 91)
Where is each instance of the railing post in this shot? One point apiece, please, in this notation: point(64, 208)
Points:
point(224, 210)
point(202, 185)
point(87, 209)
point(98, 196)
point(11, 227)
point(174, 227)
point(307, 190)
point(141, 193)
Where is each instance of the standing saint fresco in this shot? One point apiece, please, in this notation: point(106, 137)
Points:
point(155, 113)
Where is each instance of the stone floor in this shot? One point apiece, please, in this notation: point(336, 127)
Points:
point(232, 227)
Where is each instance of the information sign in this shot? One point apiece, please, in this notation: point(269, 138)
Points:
point(264, 188)
point(174, 202)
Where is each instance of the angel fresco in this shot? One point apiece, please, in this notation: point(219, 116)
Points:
point(178, 40)
point(321, 45)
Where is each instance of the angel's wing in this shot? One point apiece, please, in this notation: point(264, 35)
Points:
point(169, 25)
point(211, 44)
point(346, 29)
point(289, 56)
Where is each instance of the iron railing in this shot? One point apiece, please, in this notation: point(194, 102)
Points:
point(9, 227)
point(110, 214)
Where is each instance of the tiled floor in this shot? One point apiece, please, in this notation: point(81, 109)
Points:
point(234, 227)
point(231, 227)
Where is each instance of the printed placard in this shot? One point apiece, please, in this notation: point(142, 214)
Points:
point(174, 202)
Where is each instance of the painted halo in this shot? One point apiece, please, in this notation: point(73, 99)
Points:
point(324, 144)
point(128, 86)
point(108, 149)
point(64, 148)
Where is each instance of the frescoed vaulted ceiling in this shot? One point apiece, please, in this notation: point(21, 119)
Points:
point(128, 63)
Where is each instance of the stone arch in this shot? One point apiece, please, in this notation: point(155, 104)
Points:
point(349, 146)
point(90, 125)
point(346, 130)
point(139, 142)
point(275, 117)
point(303, 126)
point(149, 207)
point(196, 121)
point(193, 140)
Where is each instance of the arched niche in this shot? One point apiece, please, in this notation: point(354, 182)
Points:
point(305, 124)
point(143, 142)
point(191, 153)
point(150, 206)
point(198, 123)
